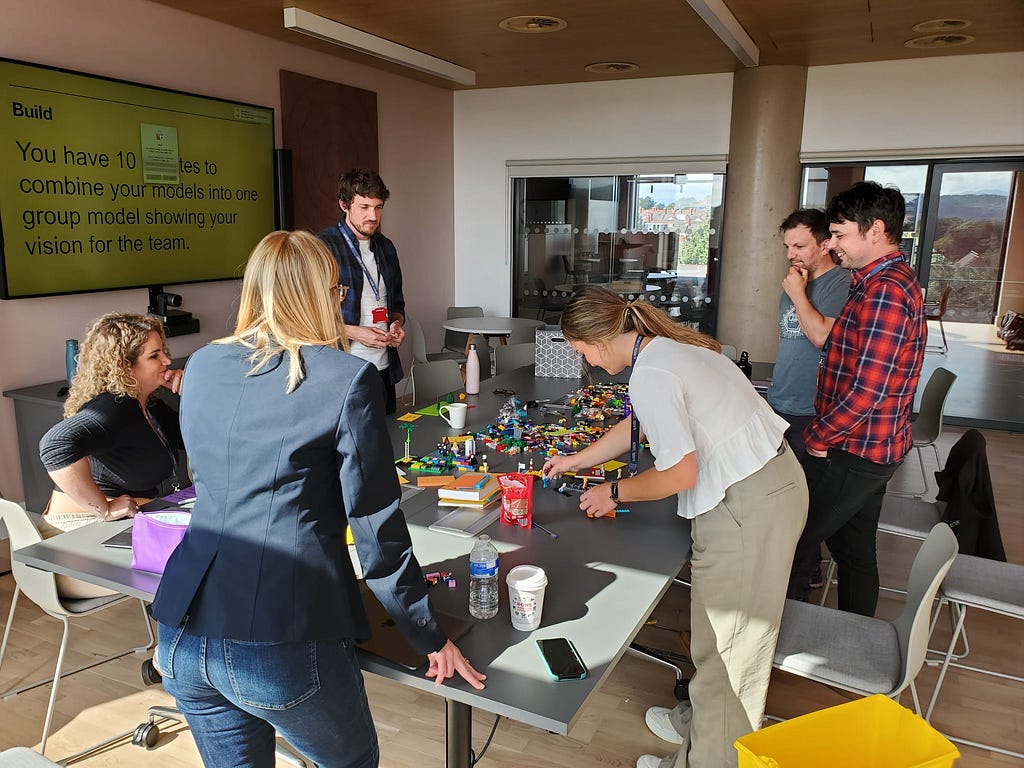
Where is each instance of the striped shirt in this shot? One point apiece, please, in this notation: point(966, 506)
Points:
point(872, 365)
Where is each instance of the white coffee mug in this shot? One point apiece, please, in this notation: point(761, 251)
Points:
point(456, 417)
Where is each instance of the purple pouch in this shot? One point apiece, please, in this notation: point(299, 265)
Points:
point(155, 535)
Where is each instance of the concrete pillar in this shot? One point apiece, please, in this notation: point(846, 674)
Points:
point(762, 188)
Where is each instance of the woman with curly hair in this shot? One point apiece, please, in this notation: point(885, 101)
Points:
point(117, 442)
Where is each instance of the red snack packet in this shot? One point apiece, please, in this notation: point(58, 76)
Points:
point(516, 499)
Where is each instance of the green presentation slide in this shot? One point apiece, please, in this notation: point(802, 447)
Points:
point(106, 184)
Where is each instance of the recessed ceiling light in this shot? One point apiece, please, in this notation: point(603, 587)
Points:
point(935, 42)
point(533, 25)
point(612, 67)
point(942, 25)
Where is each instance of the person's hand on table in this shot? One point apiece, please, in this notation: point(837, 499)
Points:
point(596, 501)
point(445, 662)
point(367, 336)
point(556, 466)
point(173, 380)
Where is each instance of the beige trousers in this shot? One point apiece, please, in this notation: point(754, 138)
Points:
point(742, 555)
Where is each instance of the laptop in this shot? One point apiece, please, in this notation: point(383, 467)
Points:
point(388, 642)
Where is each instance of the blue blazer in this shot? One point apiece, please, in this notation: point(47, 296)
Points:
point(277, 478)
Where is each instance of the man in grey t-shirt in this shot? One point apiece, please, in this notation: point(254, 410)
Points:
point(814, 291)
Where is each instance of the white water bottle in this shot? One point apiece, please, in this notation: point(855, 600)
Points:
point(472, 371)
point(483, 579)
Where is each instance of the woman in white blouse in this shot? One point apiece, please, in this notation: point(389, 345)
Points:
point(718, 447)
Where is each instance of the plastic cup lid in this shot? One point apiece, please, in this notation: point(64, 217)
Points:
point(527, 577)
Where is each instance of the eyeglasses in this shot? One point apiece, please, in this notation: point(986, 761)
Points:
point(342, 291)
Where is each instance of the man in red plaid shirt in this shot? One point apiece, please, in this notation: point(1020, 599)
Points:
point(861, 429)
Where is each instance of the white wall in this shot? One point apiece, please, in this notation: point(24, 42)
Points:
point(150, 43)
point(656, 117)
point(916, 105)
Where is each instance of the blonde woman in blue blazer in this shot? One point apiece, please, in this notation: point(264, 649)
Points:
point(259, 607)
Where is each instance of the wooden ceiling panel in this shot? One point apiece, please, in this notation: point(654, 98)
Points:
point(663, 37)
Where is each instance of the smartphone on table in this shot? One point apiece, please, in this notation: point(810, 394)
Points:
point(562, 659)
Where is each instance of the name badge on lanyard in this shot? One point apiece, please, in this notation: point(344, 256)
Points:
point(380, 314)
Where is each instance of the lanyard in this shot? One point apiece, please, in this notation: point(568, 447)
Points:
point(879, 267)
point(171, 453)
point(354, 246)
point(634, 424)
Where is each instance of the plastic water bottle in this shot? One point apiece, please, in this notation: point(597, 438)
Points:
point(472, 371)
point(70, 358)
point(483, 579)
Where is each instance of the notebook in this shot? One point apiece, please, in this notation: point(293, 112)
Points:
point(122, 540)
point(388, 642)
point(466, 521)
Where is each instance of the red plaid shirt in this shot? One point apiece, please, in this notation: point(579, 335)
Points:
point(872, 365)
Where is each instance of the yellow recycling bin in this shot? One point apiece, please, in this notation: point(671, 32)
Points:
point(874, 732)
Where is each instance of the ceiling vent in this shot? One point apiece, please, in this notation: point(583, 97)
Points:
point(533, 25)
point(937, 42)
point(936, 26)
point(612, 67)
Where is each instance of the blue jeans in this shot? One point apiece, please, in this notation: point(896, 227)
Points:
point(235, 695)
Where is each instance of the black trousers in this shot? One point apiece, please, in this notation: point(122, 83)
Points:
point(390, 402)
point(846, 493)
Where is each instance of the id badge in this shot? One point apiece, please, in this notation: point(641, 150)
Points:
point(380, 314)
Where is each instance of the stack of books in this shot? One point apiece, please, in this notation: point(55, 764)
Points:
point(473, 489)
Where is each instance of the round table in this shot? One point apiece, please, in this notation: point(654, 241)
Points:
point(487, 326)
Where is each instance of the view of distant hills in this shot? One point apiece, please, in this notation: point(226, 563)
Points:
point(988, 207)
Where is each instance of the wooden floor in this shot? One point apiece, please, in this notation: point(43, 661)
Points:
point(610, 732)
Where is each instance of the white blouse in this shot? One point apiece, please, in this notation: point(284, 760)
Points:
point(690, 399)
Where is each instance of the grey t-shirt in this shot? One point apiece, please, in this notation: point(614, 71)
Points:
point(795, 378)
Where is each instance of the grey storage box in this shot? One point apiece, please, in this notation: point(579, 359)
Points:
point(554, 357)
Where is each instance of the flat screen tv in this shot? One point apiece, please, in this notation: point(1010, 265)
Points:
point(107, 184)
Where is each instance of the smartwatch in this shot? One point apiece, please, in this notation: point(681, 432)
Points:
point(615, 491)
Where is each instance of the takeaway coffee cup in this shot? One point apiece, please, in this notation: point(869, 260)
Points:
point(526, 584)
point(456, 417)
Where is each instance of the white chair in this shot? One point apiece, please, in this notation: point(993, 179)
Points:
point(41, 588)
point(432, 380)
point(508, 357)
point(419, 345)
point(863, 654)
point(987, 585)
point(927, 426)
point(23, 757)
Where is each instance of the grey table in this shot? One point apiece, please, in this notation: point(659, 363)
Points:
point(605, 577)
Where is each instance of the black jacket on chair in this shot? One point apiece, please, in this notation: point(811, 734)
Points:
point(966, 487)
point(278, 476)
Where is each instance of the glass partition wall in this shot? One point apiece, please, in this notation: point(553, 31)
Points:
point(649, 237)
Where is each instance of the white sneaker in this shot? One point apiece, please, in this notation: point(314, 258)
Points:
point(648, 761)
point(658, 721)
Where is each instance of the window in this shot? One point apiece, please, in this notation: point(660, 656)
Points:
point(650, 237)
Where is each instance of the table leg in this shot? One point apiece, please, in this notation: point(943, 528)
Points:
point(458, 734)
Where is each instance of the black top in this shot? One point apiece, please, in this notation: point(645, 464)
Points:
point(126, 455)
